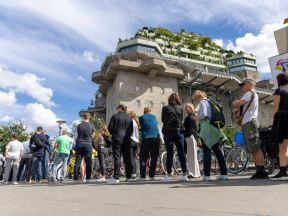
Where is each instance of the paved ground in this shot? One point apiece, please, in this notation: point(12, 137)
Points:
point(238, 196)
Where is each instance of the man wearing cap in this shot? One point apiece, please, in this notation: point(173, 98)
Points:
point(121, 128)
point(250, 125)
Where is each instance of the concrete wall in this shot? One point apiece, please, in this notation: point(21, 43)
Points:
point(134, 88)
point(136, 91)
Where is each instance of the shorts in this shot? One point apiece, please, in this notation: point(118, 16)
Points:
point(251, 135)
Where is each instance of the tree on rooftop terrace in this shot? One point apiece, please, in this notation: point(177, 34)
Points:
point(205, 40)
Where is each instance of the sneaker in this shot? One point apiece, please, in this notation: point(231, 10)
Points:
point(151, 179)
point(206, 178)
point(4, 182)
point(84, 180)
point(167, 178)
point(113, 181)
point(103, 179)
point(15, 183)
point(32, 182)
point(184, 178)
point(280, 176)
point(259, 176)
point(223, 178)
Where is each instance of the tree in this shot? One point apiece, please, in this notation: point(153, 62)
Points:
point(97, 122)
point(6, 131)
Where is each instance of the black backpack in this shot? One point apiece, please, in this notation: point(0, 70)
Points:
point(38, 143)
point(217, 115)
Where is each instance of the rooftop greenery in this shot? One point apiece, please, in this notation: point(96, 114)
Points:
point(174, 41)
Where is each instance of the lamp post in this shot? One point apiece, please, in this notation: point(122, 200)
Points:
point(60, 122)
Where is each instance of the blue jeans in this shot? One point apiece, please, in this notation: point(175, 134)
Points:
point(37, 167)
point(45, 164)
point(178, 139)
point(60, 158)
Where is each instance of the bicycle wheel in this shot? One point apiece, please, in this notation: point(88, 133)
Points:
point(269, 165)
point(109, 165)
point(122, 168)
point(163, 163)
point(176, 164)
point(236, 160)
point(59, 170)
point(214, 164)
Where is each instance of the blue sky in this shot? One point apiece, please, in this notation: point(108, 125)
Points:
point(48, 49)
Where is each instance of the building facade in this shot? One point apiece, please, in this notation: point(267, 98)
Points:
point(144, 72)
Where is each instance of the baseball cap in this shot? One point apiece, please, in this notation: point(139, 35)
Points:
point(249, 80)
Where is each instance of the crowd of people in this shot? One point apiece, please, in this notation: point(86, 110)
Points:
point(126, 133)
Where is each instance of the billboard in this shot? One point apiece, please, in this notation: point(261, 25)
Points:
point(278, 64)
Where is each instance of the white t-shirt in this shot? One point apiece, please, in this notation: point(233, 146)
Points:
point(14, 149)
point(252, 111)
point(135, 134)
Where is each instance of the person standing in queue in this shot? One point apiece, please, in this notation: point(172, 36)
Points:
point(83, 148)
point(172, 117)
point(121, 129)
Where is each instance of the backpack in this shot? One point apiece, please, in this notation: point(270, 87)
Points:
point(217, 115)
point(38, 143)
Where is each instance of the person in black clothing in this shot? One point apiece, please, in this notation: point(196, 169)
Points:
point(191, 134)
point(83, 148)
point(121, 128)
point(36, 145)
point(280, 123)
point(172, 116)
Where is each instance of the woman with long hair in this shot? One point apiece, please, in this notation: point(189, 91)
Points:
point(172, 117)
point(99, 145)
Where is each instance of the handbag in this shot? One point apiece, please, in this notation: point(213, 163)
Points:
point(238, 115)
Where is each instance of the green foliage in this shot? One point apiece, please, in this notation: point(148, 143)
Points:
point(229, 133)
point(97, 122)
point(6, 131)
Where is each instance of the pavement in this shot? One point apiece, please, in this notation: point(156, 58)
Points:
point(237, 196)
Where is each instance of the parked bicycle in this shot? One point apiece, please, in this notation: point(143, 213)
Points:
point(238, 159)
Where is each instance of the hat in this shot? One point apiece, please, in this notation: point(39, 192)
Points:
point(249, 80)
point(122, 106)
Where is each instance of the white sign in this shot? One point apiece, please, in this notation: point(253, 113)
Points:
point(278, 64)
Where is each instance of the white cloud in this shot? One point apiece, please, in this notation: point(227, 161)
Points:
point(91, 57)
point(9, 98)
point(36, 114)
point(80, 78)
point(6, 118)
point(26, 83)
point(219, 42)
point(32, 114)
point(262, 45)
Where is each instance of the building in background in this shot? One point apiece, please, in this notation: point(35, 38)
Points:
point(146, 69)
point(243, 65)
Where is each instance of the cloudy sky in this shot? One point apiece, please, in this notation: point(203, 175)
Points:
point(48, 49)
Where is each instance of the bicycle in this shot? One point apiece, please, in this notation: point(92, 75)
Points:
point(238, 159)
